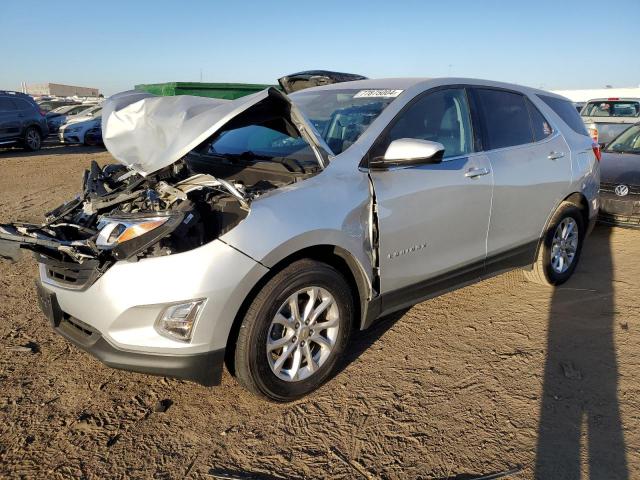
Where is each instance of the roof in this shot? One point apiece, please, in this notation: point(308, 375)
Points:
point(406, 83)
point(11, 92)
point(373, 83)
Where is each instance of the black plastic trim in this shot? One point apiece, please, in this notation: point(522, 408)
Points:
point(203, 368)
point(390, 302)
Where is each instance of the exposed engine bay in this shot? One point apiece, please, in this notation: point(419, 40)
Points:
point(188, 173)
point(122, 215)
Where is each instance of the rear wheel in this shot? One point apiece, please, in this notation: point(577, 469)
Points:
point(32, 139)
point(560, 250)
point(294, 332)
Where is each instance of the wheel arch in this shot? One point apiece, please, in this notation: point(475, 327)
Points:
point(37, 126)
point(336, 256)
point(576, 198)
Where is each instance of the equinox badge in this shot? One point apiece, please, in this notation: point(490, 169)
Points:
point(413, 248)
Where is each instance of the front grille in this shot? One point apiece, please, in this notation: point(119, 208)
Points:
point(70, 274)
point(611, 188)
point(81, 327)
point(78, 332)
point(622, 220)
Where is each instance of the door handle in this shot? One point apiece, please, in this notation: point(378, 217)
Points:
point(555, 155)
point(476, 172)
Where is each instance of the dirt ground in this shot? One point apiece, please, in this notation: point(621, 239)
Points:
point(496, 375)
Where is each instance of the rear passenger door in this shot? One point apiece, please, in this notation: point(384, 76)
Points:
point(25, 113)
point(531, 165)
point(9, 121)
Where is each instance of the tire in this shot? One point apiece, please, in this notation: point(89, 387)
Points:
point(256, 369)
point(32, 139)
point(547, 270)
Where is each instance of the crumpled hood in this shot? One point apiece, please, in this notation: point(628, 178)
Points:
point(148, 132)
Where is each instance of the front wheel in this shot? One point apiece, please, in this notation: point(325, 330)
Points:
point(561, 246)
point(295, 331)
point(32, 139)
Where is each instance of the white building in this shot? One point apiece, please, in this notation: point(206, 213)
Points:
point(59, 90)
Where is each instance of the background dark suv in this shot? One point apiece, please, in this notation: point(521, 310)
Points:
point(21, 121)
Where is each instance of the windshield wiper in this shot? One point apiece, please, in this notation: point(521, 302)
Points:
point(246, 155)
point(623, 150)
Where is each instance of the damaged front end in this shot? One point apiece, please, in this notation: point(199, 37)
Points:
point(121, 215)
point(167, 196)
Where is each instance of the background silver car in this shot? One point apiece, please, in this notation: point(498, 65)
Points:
point(262, 230)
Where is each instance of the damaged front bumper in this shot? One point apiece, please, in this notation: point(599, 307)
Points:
point(115, 317)
point(204, 368)
point(13, 237)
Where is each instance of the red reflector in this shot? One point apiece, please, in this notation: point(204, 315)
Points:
point(596, 151)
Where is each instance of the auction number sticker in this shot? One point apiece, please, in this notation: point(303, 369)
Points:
point(378, 93)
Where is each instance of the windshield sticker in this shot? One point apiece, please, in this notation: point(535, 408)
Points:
point(378, 93)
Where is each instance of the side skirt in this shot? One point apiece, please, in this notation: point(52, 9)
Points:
point(390, 302)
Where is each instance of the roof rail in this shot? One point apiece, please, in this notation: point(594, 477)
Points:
point(12, 92)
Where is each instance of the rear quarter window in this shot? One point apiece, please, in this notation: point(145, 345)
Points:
point(567, 112)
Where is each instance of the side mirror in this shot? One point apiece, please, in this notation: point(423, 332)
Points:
point(406, 152)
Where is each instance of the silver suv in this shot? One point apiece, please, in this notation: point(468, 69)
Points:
point(262, 231)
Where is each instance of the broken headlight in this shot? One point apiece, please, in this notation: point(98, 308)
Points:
point(128, 234)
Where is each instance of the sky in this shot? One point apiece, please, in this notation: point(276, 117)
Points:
point(561, 44)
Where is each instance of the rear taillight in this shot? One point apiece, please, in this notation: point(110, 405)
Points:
point(596, 150)
point(593, 132)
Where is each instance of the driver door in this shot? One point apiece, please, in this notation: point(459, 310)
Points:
point(433, 218)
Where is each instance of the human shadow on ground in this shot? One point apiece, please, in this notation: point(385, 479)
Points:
point(580, 419)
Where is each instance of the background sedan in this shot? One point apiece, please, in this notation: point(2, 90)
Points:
point(620, 180)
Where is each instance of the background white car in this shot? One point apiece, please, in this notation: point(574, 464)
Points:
point(61, 115)
point(76, 128)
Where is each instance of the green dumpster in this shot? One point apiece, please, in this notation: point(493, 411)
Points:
point(228, 91)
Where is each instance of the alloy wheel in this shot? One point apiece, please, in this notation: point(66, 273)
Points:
point(564, 245)
point(303, 333)
point(33, 139)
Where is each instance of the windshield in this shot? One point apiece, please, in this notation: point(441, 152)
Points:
point(64, 109)
point(341, 116)
point(272, 140)
point(76, 109)
point(627, 142)
point(94, 111)
point(611, 108)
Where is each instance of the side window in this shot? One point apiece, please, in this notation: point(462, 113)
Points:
point(539, 124)
point(22, 104)
point(441, 116)
point(505, 118)
point(565, 110)
point(6, 105)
